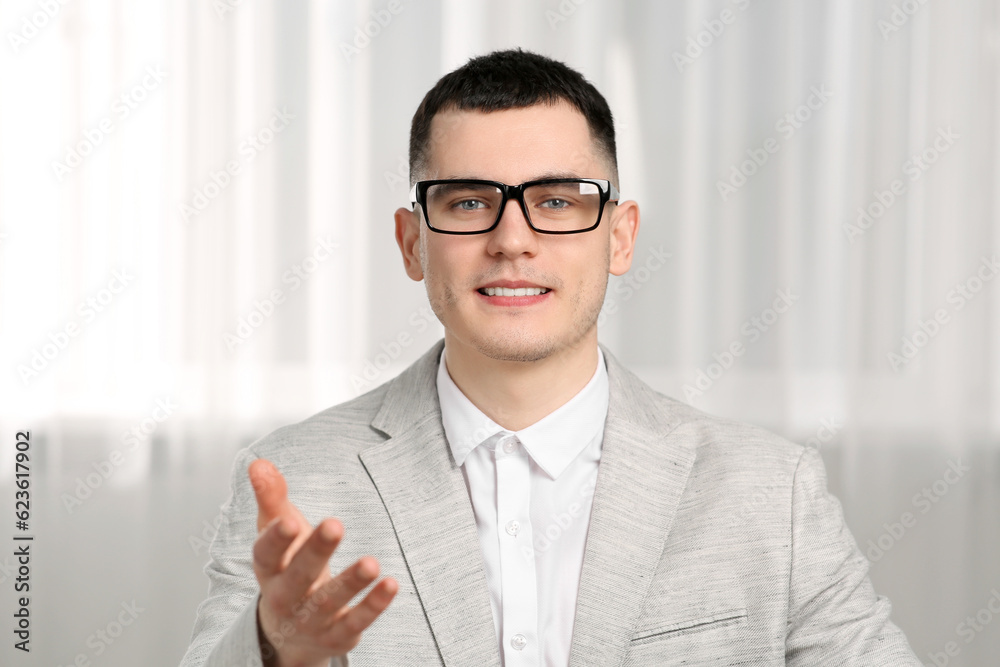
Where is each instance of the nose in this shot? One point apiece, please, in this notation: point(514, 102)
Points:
point(512, 236)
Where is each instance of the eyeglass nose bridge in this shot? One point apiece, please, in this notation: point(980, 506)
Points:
point(515, 192)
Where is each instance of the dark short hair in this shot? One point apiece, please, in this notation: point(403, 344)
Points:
point(512, 79)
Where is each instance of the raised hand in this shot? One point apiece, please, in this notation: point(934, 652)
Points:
point(303, 616)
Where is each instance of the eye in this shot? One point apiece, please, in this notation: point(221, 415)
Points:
point(559, 204)
point(464, 205)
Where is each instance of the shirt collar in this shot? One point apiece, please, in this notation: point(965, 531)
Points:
point(553, 442)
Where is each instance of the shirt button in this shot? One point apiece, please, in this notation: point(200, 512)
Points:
point(509, 446)
point(512, 528)
point(518, 641)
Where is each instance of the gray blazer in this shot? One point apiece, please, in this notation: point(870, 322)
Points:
point(711, 542)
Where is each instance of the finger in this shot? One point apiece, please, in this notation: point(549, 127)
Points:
point(335, 594)
point(270, 489)
point(271, 545)
point(309, 566)
point(355, 621)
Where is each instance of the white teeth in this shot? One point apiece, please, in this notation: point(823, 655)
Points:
point(511, 291)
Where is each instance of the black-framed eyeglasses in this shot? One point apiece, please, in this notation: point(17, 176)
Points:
point(551, 206)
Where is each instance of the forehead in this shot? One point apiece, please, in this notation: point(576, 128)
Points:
point(513, 145)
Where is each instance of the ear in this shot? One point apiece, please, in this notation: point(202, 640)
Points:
point(408, 239)
point(624, 229)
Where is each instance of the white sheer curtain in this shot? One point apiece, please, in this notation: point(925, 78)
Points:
point(237, 164)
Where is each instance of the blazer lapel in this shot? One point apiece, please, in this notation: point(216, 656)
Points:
point(642, 474)
point(427, 500)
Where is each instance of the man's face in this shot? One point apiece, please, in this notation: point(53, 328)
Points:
point(514, 146)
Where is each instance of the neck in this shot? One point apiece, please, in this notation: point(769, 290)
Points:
point(516, 394)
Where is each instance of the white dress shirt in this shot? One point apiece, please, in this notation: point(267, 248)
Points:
point(531, 492)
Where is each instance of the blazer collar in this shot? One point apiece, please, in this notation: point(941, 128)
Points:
point(425, 494)
point(412, 395)
point(643, 471)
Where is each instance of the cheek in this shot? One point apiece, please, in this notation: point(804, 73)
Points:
point(445, 267)
point(431, 256)
point(591, 274)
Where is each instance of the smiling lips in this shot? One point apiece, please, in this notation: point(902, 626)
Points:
point(510, 293)
point(513, 291)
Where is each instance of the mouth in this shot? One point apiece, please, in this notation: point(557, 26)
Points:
point(513, 294)
point(513, 291)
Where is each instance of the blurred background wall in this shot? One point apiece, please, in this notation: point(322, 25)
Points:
point(196, 246)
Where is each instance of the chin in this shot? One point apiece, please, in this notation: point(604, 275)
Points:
point(520, 346)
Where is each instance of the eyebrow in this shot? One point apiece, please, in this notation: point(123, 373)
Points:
point(537, 177)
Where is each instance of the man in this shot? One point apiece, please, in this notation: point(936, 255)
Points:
point(530, 500)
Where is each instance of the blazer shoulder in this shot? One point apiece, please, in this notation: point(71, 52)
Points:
point(333, 438)
point(713, 437)
point(343, 429)
point(729, 443)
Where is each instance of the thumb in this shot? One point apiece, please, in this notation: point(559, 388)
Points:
point(271, 490)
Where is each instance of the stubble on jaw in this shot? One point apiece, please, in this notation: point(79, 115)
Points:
point(513, 344)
